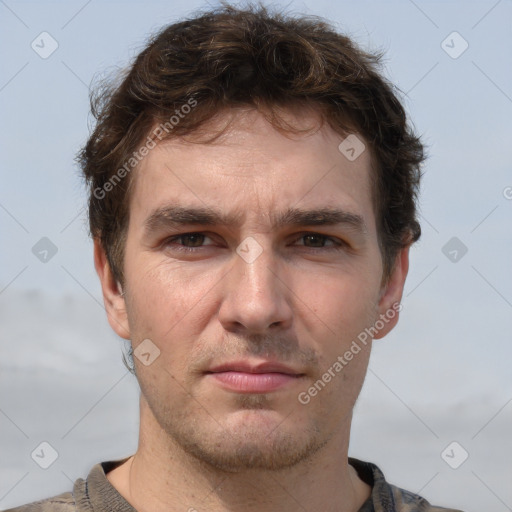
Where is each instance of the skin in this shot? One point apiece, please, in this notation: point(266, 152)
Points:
point(301, 302)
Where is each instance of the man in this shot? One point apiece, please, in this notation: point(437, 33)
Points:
point(252, 202)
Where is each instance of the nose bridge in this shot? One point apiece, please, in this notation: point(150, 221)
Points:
point(258, 272)
point(254, 297)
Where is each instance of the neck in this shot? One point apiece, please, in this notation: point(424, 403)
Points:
point(161, 477)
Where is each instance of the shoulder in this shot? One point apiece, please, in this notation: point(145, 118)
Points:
point(62, 503)
point(407, 501)
point(388, 497)
point(94, 493)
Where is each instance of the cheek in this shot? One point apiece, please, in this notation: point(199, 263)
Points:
point(339, 300)
point(166, 300)
point(344, 306)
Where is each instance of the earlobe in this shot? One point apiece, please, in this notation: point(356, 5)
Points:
point(113, 294)
point(391, 293)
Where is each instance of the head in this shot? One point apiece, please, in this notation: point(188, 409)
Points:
point(235, 125)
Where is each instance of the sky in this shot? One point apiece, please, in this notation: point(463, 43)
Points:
point(441, 377)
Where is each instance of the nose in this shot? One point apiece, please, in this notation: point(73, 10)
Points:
point(256, 297)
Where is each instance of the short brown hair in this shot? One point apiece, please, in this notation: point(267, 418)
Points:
point(230, 58)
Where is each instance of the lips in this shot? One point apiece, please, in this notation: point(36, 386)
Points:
point(246, 377)
point(246, 367)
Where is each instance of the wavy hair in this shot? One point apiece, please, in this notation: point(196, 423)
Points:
point(231, 58)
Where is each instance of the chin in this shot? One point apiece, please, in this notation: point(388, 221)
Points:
point(237, 455)
point(249, 440)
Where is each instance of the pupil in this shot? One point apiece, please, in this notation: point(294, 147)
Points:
point(194, 240)
point(313, 238)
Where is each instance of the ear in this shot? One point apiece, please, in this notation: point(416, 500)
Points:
point(113, 299)
point(391, 293)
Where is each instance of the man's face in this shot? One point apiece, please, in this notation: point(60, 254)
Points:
point(283, 269)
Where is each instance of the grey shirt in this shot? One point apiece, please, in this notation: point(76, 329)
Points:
point(97, 494)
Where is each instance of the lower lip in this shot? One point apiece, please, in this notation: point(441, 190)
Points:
point(243, 382)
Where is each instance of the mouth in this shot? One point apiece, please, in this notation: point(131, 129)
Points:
point(244, 377)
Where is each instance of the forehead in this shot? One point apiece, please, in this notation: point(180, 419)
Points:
point(254, 171)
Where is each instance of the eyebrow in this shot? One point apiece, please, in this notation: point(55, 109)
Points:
point(168, 217)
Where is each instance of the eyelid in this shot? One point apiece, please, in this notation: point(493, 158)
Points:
point(336, 243)
point(181, 235)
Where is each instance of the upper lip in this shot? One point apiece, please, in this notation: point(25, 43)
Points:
point(247, 367)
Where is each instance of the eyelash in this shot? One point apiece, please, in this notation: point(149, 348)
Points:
point(337, 243)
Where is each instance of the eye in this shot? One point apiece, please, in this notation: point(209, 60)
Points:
point(192, 239)
point(319, 241)
point(187, 241)
point(197, 241)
